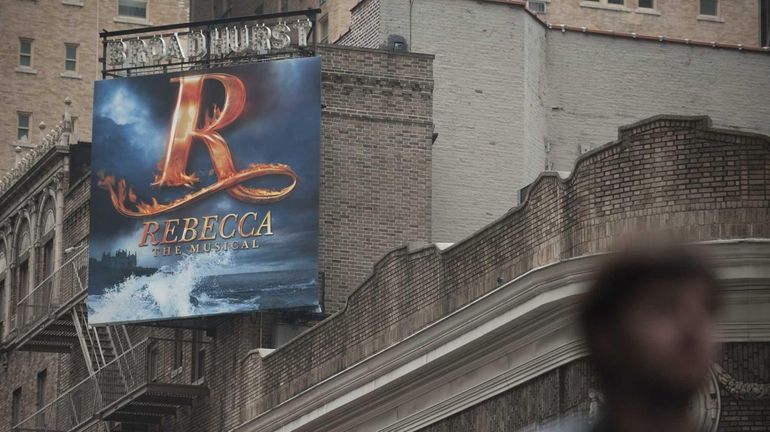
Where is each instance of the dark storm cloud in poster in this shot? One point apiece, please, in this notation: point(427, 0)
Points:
point(271, 260)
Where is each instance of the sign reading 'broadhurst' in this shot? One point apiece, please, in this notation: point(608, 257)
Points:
point(204, 195)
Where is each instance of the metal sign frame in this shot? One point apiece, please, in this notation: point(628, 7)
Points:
point(306, 48)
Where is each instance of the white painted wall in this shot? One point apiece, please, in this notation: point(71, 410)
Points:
point(505, 85)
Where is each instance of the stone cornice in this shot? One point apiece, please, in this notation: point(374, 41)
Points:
point(529, 321)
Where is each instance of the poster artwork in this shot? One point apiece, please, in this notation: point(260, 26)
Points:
point(204, 194)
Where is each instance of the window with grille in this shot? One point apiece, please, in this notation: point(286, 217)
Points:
point(536, 7)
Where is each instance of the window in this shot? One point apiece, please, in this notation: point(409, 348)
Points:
point(42, 380)
point(23, 280)
point(48, 258)
point(616, 2)
point(198, 357)
point(2, 308)
point(25, 52)
point(709, 7)
point(16, 407)
point(536, 6)
point(70, 57)
point(132, 8)
point(260, 9)
point(153, 360)
point(647, 4)
point(178, 348)
point(324, 29)
point(284, 5)
point(22, 131)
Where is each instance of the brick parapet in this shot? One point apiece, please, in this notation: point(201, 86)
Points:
point(666, 172)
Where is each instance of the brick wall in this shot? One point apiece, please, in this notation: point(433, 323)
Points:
point(737, 21)
point(669, 172)
point(749, 363)
point(364, 26)
point(376, 122)
point(21, 371)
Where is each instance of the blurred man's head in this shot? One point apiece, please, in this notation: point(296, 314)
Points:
point(649, 321)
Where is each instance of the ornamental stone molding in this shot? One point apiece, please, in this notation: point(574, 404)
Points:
point(740, 389)
point(58, 135)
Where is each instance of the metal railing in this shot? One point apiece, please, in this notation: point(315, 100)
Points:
point(56, 290)
point(149, 361)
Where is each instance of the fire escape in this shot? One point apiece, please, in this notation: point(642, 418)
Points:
point(129, 385)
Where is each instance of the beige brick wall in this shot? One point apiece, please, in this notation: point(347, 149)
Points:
point(51, 24)
point(737, 21)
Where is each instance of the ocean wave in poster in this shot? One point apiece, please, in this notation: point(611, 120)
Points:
point(203, 284)
point(166, 293)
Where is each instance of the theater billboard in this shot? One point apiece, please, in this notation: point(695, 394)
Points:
point(204, 194)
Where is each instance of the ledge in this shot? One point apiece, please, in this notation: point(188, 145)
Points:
point(71, 75)
point(132, 20)
point(604, 6)
point(647, 11)
point(25, 70)
point(710, 18)
point(78, 3)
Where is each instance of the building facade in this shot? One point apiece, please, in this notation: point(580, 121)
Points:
point(745, 22)
point(478, 336)
point(742, 22)
point(51, 51)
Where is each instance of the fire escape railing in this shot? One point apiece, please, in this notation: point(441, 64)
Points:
point(84, 404)
point(57, 290)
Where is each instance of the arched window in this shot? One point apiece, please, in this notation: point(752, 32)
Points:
point(23, 246)
point(47, 225)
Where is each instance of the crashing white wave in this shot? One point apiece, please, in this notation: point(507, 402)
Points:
point(165, 294)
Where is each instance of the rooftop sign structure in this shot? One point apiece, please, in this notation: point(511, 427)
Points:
point(206, 44)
